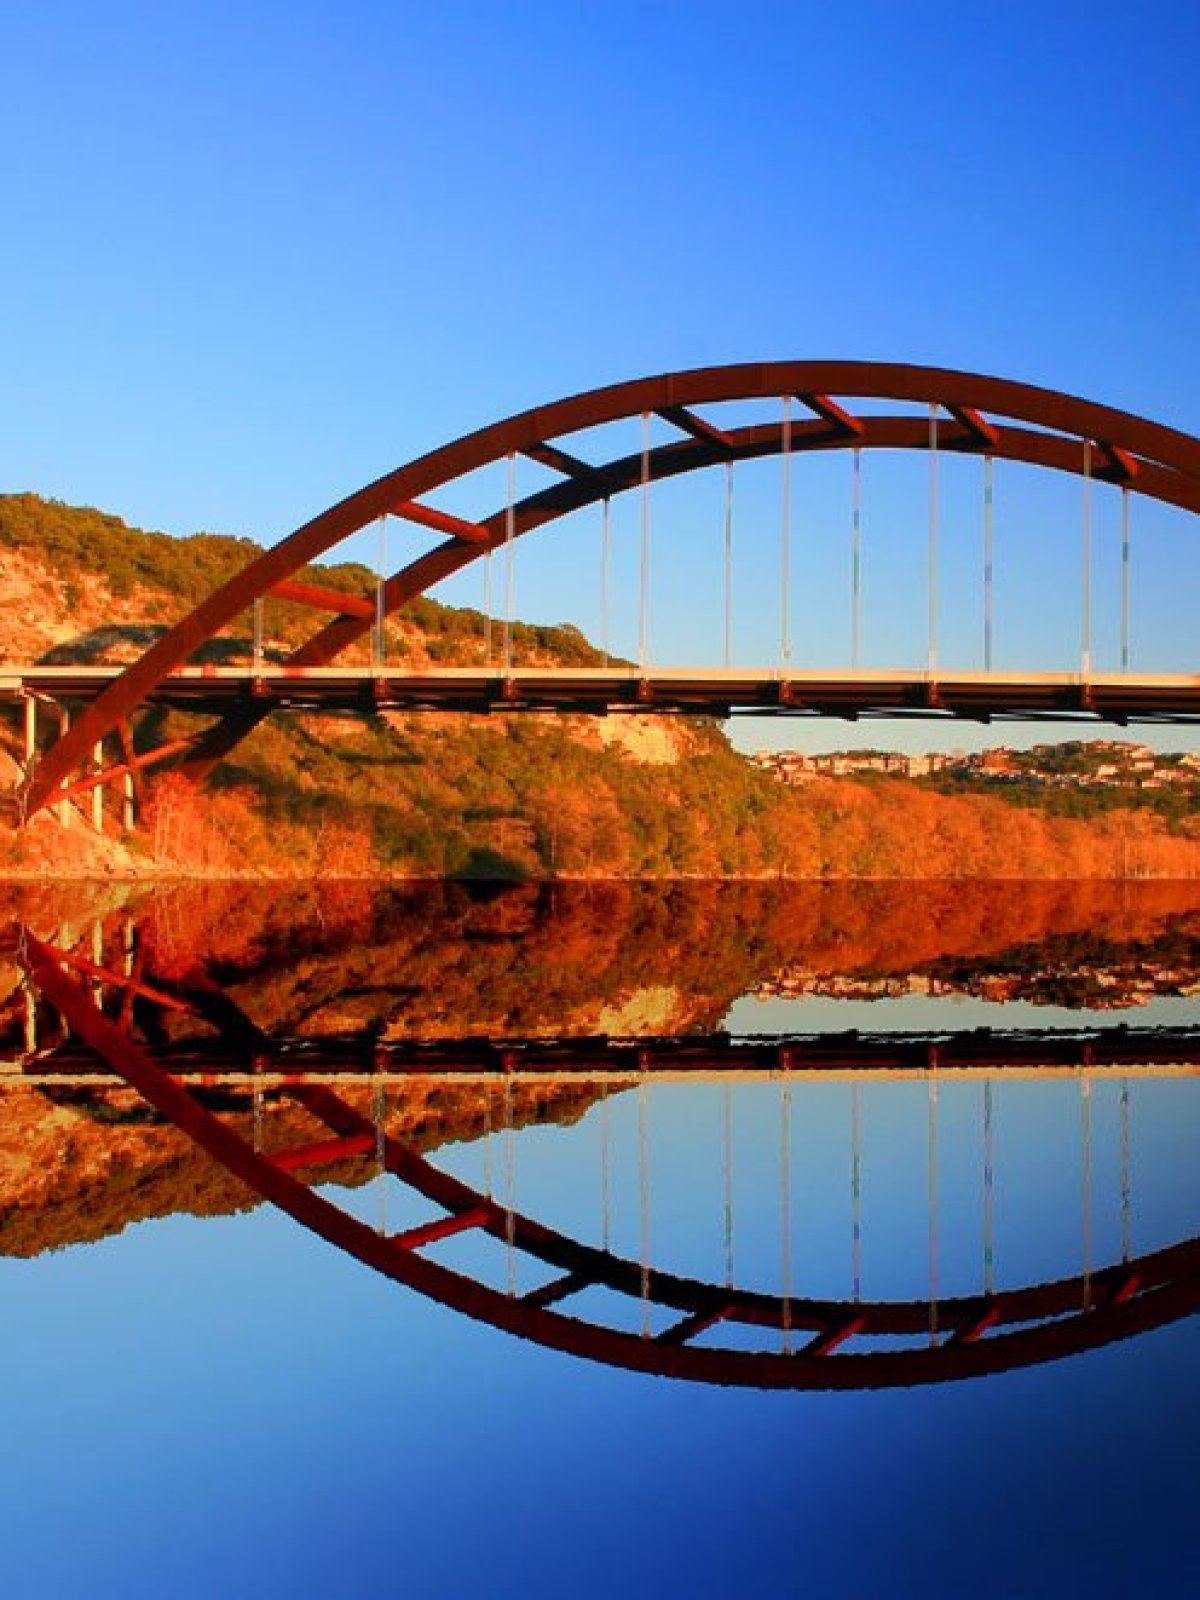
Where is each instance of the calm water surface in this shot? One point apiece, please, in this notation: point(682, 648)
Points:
point(808, 1159)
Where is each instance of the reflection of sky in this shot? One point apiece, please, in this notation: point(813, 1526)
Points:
point(229, 1407)
point(1045, 1134)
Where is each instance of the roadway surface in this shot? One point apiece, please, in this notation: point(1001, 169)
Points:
point(597, 691)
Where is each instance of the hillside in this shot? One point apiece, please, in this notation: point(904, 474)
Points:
point(519, 796)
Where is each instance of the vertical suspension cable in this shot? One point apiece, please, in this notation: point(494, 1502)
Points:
point(785, 536)
point(381, 1173)
point(510, 1188)
point(379, 642)
point(988, 561)
point(729, 563)
point(606, 579)
point(510, 523)
point(932, 1184)
point(1085, 605)
point(1125, 577)
point(1085, 1136)
point(605, 1177)
point(727, 1169)
point(855, 554)
point(644, 1203)
point(856, 1189)
point(989, 1215)
point(488, 1180)
point(785, 1204)
point(257, 646)
point(644, 576)
point(487, 608)
point(1126, 1187)
point(933, 536)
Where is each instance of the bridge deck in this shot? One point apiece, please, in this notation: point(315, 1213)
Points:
point(979, 696)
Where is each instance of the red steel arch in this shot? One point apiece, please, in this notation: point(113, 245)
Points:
point(1039, 426)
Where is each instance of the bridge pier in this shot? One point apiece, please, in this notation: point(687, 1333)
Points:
point(93, 769)
point(97, 932)
point(31, 1015)
point(30, 699)
point(64, 726)
point(98, 790)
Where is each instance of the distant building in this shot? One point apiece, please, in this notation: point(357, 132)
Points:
point(1077, 764)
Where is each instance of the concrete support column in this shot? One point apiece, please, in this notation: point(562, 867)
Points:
point(128, 814)
point(98, 955)
point(65, 941)
point(30, 731)
point(31, 1025)
point(98, 791)
point(64, 723)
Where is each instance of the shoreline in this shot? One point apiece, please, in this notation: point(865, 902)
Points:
point(171, 879)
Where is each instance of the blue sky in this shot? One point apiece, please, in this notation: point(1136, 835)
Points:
point(258, 254)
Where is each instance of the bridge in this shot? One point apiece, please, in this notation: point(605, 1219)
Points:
point(619, 1062)
point(96, 738)
point(216, 691)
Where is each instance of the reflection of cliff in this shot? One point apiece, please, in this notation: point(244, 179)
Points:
point(77, 1166)
point(646, 958)
point(436, 960)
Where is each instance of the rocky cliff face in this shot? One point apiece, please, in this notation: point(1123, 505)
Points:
point(47, 614)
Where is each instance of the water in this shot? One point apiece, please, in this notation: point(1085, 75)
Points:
point(208, 1397)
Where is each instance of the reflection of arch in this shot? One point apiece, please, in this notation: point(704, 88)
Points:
point(1060, 433)
point(957, 1338)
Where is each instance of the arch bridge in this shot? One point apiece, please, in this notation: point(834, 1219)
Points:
point(803, 409)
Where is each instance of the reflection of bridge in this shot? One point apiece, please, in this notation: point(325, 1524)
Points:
point(601, 1060)
point(818, 407)
point(814, 1343)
